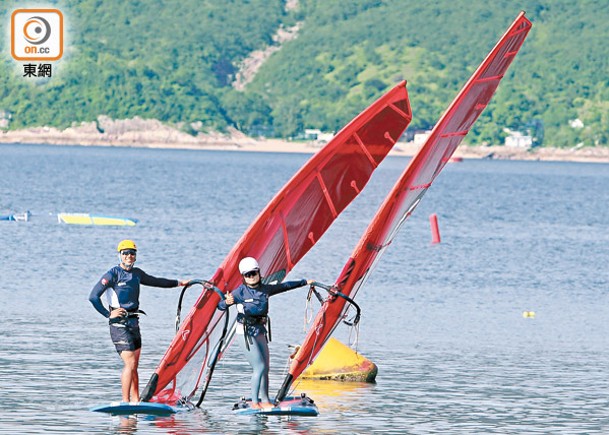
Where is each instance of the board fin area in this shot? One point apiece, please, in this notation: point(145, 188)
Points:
point(133, 408)
point(302, 406)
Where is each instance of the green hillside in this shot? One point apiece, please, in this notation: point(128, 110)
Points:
point(176, 60)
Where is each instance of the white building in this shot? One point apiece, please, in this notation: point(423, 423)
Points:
point(518, 140)
point(318, 135)
point(420, 138)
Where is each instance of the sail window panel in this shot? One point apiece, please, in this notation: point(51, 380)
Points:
point(382, 131)
point(187, 377)
point(306, 223)
point(504, 57)
point(445, 147)
point(424, 174)
point(183, 352)
point(273, 256)
point(471, 106)
point(422, 178)
point(448, 146)
point(438, 155)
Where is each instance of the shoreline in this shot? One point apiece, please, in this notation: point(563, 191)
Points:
point(140, 133)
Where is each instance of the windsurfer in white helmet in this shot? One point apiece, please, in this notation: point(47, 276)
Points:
point(121, 284)
point(252, 301)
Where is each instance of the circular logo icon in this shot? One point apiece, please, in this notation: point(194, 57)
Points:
point(36, 30)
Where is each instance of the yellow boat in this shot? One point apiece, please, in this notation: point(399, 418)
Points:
point(90, 219)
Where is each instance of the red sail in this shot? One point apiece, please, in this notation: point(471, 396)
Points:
point(287, 228)
point(409, 189)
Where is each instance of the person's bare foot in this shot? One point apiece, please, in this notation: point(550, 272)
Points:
point(262, 405)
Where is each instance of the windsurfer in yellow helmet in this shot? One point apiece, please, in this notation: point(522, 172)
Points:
point(252, 301)
point(121, 284)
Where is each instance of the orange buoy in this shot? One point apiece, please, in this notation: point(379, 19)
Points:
point(435, 231)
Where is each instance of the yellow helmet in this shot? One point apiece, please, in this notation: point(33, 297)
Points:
point(126, 244)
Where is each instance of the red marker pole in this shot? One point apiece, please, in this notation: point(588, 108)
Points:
point(435, 231)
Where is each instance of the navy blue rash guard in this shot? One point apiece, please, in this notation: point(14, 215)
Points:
point(255, 301)
point(123, 288)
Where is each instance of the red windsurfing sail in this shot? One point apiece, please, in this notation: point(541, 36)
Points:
point(408, 191)
point(284, 232)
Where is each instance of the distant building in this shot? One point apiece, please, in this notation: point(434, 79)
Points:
point(5, 119)
point(311, 133)
point(420, 138)
point(518, 140)
point(317, 135)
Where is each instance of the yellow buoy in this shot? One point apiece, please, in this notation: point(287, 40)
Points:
point(528, 314)
point(339, 362)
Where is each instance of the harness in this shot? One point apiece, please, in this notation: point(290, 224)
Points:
point(247, 321)
point(254, 320)
point(131, 314)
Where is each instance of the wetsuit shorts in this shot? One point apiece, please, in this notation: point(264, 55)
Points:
point(126, 334)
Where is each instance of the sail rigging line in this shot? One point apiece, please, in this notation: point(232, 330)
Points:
point(308, 313)
point(313, 291)
point(409, 189)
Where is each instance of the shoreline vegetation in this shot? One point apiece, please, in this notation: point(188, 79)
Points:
point(142, 133)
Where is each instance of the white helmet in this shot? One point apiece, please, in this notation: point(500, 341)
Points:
point(248, 264)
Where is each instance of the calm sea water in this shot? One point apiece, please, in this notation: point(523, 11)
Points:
point(443, 322)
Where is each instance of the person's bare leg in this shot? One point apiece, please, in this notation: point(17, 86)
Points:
point(129, 377)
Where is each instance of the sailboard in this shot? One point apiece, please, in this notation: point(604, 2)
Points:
point(406, 194)
point(92, 219)
point(302, 406)
point(284, 231)
point(17, 217)
point(135, 408)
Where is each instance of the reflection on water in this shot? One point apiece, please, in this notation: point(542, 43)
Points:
point(333, 394)
point(127, 425)
point(443, 323)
